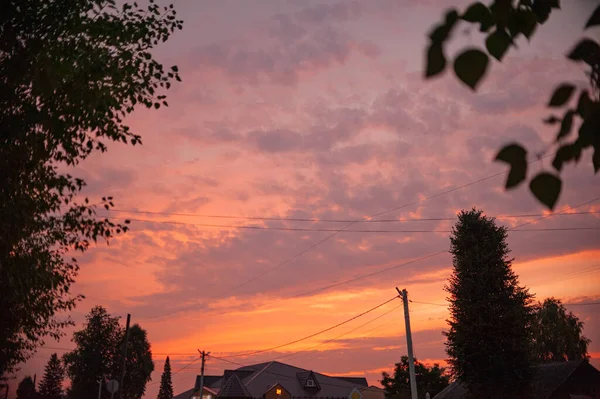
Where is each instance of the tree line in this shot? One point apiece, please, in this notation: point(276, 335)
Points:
point(96, 359)
point(497, 332)
point(70, 74)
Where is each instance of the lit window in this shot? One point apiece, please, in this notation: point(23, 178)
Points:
point(278, 391)
point(310, 383)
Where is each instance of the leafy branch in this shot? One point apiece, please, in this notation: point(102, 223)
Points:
point(504, 21)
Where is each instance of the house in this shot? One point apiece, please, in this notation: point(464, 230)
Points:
point(275, 380)
point(566, 380)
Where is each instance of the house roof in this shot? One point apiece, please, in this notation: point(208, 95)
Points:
point(188, 394)
point(372, 388)
point(185, 394)
point(258, 378)
point(209, 380)
point(234, 388)
point(358, 381)
point(547, 378)
point(266, 374)
point(304, 376)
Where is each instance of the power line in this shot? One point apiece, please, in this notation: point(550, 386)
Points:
point(367, 275)
point(325, 239)
point(314, 334)
point(339, 336)
point(308, 229)
point(153, 353)
point(582, 304)
point(426, 256)
point(569, 276)
point(178, 371)
point(316, 220)
point(563, 277)
point(428, 303)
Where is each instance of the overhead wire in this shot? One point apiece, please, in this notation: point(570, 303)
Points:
point(339, 336)
point(180, 370)
point(314, 334)
point(308, 229)
point(316, 220)
point(333, 234)
point(367, 275)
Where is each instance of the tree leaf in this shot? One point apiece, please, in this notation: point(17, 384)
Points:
point(451, 18)
point(594, 19)
point(586, 50)
point(584, 104)
point(587, 130)
point(541, 10)
point(551, 120)
point(470, 66)
point(497, 43)
point(596, 159)
point(565, 126)
point(436, 62)
point(477, 12)
point(546, 188)
point(501, 12)
point(566, 153)
point(516, 156)
point(526, 22)
point(439, 34)
point(561, 95)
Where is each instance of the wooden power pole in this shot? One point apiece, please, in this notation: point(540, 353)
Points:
point(411, 360)
point(124, 356)
point(203, 354)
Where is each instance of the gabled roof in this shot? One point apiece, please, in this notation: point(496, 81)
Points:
point(269, 373)
point(305, 376)
point(185, 394)
point(258, 378)
point(234, 388)
point(209, 381)
point(358, 381)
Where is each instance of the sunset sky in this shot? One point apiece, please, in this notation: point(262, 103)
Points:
point(319, 110)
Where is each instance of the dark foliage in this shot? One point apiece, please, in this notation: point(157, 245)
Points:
point(26, 388)
point(166, 386)
point(70, 72)
point(429, 380)
point(54, 374)
point(502, 22)
point(139, 365)
point(488, 342)
point(558, 335)
point(95, 356)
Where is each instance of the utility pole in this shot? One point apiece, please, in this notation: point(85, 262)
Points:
point(99, 389)
point(124, 356)
point(411, 360)
point(203, 354)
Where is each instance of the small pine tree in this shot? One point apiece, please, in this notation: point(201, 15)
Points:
point(166, 386)
point(488, 343)
point(26, 388)
point(51, 384)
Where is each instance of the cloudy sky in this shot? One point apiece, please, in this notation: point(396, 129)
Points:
point(319, 110)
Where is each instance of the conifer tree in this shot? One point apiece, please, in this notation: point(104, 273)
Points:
point(51, 384)
point(489, 340)
point(166, 386)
